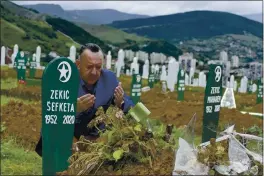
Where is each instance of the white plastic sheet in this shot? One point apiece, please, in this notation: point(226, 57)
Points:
point(186, 161)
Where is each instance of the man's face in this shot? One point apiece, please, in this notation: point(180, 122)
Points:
point(90, 66)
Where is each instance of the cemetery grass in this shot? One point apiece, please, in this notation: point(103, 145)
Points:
point(8, 83)
point(14, 32)
point(17, 160)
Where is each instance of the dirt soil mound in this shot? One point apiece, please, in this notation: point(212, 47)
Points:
point(22, 121)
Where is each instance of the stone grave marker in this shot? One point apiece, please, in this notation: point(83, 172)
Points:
point(212, 100)
point(151, 79)
point(3, 53)
point(33, 66)
point(260, 91)
point(20, 63)
point(180, 85)
point(59, 100)
point(135, 91)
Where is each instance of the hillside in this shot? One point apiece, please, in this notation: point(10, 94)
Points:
point(29, 33)
point(158, 46)
point(189, 25)
point(111, 35)
point(96, 16)
point(52, 34)
point(77, 33)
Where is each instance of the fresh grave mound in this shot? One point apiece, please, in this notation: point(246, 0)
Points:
point(24, 92)
point(124, 147)
point(166, 108)
point(22, 121)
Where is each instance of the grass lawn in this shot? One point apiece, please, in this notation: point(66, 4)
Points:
point(15, 160)
point(6, 99)
point(8, 83)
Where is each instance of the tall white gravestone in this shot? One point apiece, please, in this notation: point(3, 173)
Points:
point(108, 60)
point(235, 86)
point(3, 54)
point(186, 79)
point(163, 75)
point(232, 81)
point(134, 65)
point(171, 79)
point(15, 50)
point(146, 69)
point(121, 57)
point(38, 55)
point(73, 53)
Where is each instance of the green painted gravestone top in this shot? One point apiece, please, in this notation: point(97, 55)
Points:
point(32, 66)
point(157, 77)
point(20, 64)
point(135, 91)
point(212, 101)
point(59, 96)
point(260, 91)
point(151, 79)
point(180, 85)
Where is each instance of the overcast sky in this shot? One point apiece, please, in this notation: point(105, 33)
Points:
point(154, 8)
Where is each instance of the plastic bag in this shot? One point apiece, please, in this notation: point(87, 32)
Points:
point(239, 160)
point(186, 161)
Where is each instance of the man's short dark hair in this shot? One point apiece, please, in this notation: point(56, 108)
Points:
point(90, 46)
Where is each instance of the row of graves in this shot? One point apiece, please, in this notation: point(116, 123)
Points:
point(58, 123)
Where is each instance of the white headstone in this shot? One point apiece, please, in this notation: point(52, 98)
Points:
point(164, 87)
point(156, 68)
point(228, 99)
point(73, 53)
point(121, 57)
point(243, 85)
point(192, 70)
point(204, 80)
point(254, 87)
point(171, 79)
point(118, 69)
point(127, 72)
point(228, 84)
point(153, 68)
point(38, 55)
point(15, 50)
point(134, 65)
point(108, 60)
point(146, 69)
point(163, 75)
point(186, 79)
point(201, 77)
point(195, 82)
point(235, 86)
point(232, 81)
point(3, 53)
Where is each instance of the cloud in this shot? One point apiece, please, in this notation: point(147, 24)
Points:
point(154, 8)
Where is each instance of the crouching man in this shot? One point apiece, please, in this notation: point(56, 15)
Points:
point(97, 87)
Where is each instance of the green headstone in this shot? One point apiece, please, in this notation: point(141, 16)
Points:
point(20, 65)
point(60, 83)
point(260, 91)
point(135, 91)
point(157, 77)
point(212, 101)
point(151, 79)
point(32, 68)
point(180, 85)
